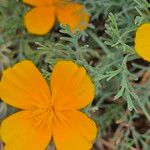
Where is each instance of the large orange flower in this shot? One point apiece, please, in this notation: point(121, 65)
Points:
point(41, 18)
point(142, 41)
point(47, 113)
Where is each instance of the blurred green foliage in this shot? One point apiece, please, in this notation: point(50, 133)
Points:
point(122, 80)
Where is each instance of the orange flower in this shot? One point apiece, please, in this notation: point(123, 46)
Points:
point(41, 18)
point(142, 41)
point(47, 113)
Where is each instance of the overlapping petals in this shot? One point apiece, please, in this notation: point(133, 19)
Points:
point(25, 130)
point(24, 87)
point(82, 129)
point(142, 41)
point(73, 79)
point(41, 18)
point(47, 113)
point(73, 15)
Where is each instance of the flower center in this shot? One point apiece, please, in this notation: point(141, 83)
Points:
point(43, 117)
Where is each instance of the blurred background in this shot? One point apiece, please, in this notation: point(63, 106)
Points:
point(121, 108)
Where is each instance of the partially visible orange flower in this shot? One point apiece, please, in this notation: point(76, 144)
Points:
point(47, 112)
point(142, 41)
point(41, 18)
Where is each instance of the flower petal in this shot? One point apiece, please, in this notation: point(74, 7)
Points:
point(71, 87)
point(38, 2)
point(142, 41)
point(23, 86)
point(73, 15)
point(73, 131)
point(20, 132)
point(40, 20)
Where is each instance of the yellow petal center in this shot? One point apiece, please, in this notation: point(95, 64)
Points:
point(43, 117)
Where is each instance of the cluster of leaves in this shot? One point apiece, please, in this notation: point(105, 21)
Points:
point(122, 80)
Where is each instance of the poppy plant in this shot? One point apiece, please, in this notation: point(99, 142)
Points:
point(47, 111)
point(142, 41)
point(40, 19)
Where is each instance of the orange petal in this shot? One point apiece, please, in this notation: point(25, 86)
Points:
point(142, 41)
point(71, 87)
point(73, 131)
point(21, 131)
point(24, 87)
point(73, 15)
point(38, 2)
point(40, 20)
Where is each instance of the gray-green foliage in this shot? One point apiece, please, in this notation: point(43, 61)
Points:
point(106, 51)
